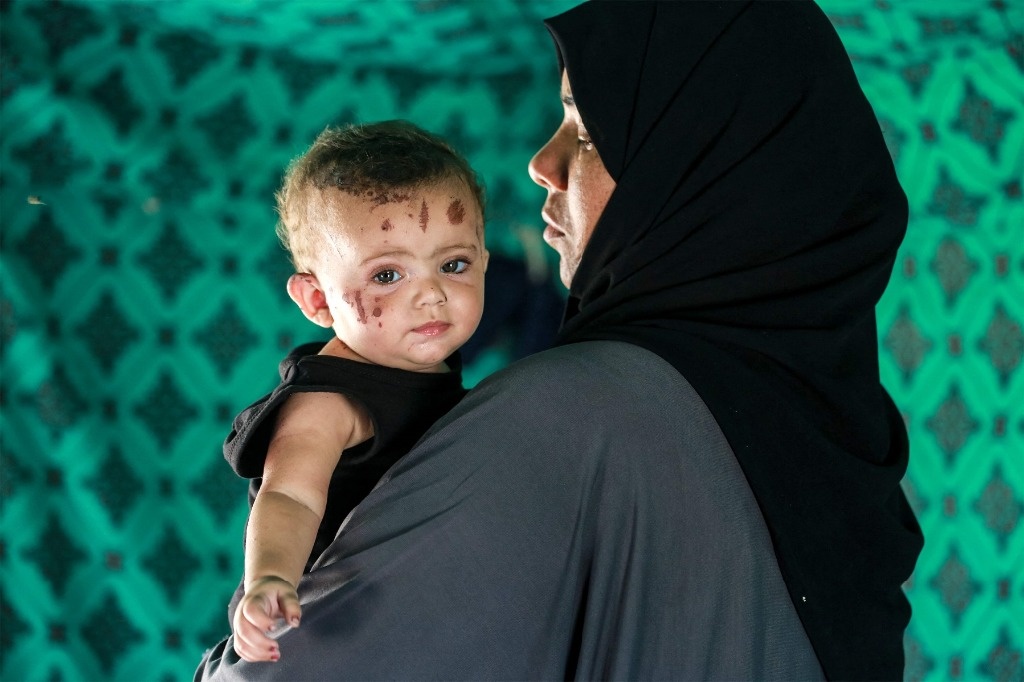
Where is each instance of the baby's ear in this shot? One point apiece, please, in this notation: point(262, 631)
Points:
point(307, 293)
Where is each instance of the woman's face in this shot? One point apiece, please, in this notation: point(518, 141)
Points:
point(578, 186)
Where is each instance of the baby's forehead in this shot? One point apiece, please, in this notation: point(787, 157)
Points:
point(442, 206)
point(374, 196)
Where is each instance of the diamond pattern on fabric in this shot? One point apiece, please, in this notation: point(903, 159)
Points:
point(916, 76)
point(116, 485)
point(952, 424)
point(171, 564)
point(229, 126)
point(935, 27)
point(905, 342)
point(218, 489)
point(953, 267)
point(177, 179)
point(14, 626)
point(1003, 343)
point(999, 508)
point(47, 250)
point(56, 554)
point(918, 664)
point(983, 123)
point(953, 203)
point(170, 261)
point(107, 331)
point(165, 410)
point(59, 404)
point(64, 25)
point(955, 586)
point(51, 158)
point(186, 55)
point(301, 76)
point(142, 293)
point(1004, 662)
point(226, 338)
point(114, 96)
point(13, 473)
point(110, 633)
point(8, 325)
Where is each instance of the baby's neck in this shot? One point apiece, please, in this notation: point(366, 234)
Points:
point(340, 349)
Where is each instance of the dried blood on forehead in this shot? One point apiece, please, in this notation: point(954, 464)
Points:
point(424, 216)
point(379, 196)
point(456, 212)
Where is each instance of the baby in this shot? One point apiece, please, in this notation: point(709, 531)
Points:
point(384, 223)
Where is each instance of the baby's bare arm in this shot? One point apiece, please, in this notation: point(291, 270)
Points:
point(312, 430)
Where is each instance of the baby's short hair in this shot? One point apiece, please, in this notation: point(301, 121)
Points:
point(374, 160)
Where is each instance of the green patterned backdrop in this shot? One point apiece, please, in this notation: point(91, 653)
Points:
point(142, 295)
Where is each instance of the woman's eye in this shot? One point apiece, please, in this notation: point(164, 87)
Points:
point(454, 267)
point(586, 143)
point(386, 277)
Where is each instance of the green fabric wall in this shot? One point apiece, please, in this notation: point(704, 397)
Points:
point(142, 297)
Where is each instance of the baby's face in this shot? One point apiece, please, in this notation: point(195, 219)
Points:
point(403, 273)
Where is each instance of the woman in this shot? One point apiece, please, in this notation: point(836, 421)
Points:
point(702, 480)
point(753, 227)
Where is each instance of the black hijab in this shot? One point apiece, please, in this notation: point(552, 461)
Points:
point(753, 228)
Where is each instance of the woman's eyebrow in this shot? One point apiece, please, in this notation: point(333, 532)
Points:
point(568, 101)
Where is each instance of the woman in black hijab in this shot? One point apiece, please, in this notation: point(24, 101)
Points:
point(701, 481)
point(753, 227)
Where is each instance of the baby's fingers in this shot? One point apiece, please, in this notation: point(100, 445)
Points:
point(252, 644)
point(290, 609)
point(251, 625)
point(258, 609)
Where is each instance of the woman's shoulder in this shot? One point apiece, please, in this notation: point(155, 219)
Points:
point(600, 374)
point(588, 364)
point(607, 390)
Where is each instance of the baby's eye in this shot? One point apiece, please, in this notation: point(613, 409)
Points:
point(454, 267)
point(386, 277)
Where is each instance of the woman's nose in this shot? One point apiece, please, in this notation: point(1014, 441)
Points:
point(547, 167)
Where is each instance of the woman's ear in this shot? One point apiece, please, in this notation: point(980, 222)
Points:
point(307, 293)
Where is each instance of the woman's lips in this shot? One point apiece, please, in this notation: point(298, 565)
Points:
point(552, 233)
point(432, 328)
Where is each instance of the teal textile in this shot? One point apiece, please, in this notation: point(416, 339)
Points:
point(142, 298)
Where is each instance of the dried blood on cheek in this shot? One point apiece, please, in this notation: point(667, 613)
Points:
point(355, 299)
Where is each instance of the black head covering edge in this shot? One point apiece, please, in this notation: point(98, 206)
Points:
point(753, 228)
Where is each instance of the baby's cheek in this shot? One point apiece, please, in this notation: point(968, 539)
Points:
point(378, 312)
point(355, 298)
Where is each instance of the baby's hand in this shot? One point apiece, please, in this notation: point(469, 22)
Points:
point(267, 600)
